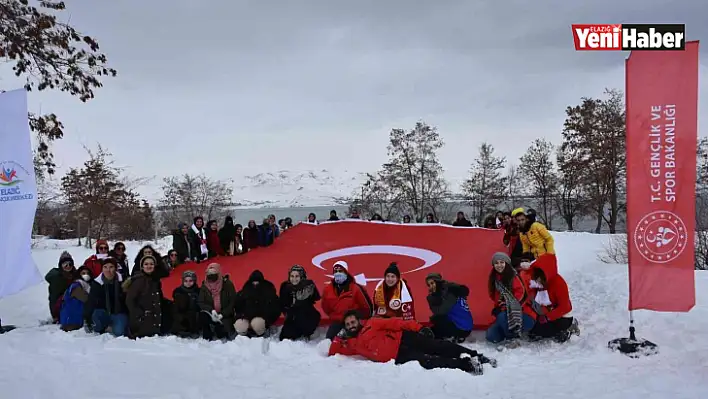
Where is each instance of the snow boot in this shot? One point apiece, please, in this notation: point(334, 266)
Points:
point(486, 360)
point(472, 364)
point(574, 328)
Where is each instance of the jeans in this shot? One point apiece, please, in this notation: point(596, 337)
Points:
point(102, 320)
point(499, 331)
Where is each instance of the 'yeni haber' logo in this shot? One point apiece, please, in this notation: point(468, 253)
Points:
point(11, 174)
point(660, 236)
point(379, 257)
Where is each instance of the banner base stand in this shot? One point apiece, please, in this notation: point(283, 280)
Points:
point(632, 346)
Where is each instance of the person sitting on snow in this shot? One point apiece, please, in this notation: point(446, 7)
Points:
point(106, 304)
point(185, 310)
point(217, 299)
point(59, 279)
point(392, 297)
point(551, 300)
point(72, 315)
point(382, 340)
point(341, 295)
point(451, 317)
point(512, 312)
point(533, 235)
point(257, 306)
point(298, 296)
point(93, 262)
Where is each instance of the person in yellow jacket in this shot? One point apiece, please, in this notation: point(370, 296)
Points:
point(534, 236)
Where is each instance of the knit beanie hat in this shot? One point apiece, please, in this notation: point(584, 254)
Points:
point(434, 276)
point(393, 268)
point(65, 257)
point(213, 268)
point(101, 243)
point(501, 256)
point(340, 263)
point(189, 274)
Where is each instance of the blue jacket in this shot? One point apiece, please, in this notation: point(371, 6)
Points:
point(460, 315)
point(450, 301)
point(72, 309)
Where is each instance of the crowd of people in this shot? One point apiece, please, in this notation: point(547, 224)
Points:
point(106, 295)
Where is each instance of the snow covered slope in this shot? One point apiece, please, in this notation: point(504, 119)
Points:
point(287, 188)
point(43, 362)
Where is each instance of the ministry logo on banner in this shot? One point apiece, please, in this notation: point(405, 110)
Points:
point(18, 196)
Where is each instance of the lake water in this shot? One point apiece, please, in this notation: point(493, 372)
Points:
point(242, 216)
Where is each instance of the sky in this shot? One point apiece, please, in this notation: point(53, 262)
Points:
point(231, 88)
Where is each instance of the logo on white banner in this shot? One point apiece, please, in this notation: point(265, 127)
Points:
point(660, 236)
point(12, 175)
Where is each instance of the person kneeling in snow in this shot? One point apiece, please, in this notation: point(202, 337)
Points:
point(451, 317)
point(71, 316)
point(392, 297)
point(382, 340)
point(551, 300)
point(59, 279)
point(217, 299)
point(512, 310)
point(106, 304)
point(185, 309)
point(257, 306)
point(343, 294)
point(298, 296)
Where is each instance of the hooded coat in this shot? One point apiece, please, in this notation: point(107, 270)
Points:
point(181, 244)
point(227, 236)
point(93, 262)
point(59, 281)
point(144, 302)
point(258, 300)
point(450, 301)
point(556, 287)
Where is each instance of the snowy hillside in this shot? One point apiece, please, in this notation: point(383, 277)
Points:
point(286, 188)
point(43, 362)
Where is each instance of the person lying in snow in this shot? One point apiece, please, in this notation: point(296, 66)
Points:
point(59, 279)
point(551, 300)
point(257, 306)
point(512, 311)
point(185, 310)
point(71, 316)
point(392, 295)
point(341, 295)
point(106, 305)
point(217, 299)
point(451, 317)
point(298, 296)
point(382, 340)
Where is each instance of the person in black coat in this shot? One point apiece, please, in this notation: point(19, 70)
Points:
point(181, 243)
point(59, 279)
point(118, 253)
point(106, 305)
point(298, 296)
point(185, 308)
point(257, 306)
point(161, 269)
point(451, 316)
point(197, 236)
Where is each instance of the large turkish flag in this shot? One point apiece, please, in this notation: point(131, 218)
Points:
point(460, 254)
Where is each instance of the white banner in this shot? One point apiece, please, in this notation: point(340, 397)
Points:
point(18, 196)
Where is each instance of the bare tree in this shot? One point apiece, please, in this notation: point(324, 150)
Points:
point(702, 206)
point(413, 173)
point(570, 199)
point(187, 196)
point(52, 55)
point(378, 197)
point(594, 132)
point(486, 186)
point(515, 186)
point(537, 166)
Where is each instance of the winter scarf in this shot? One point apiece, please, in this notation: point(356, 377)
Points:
point(513, 308)
point(542, 299)
point(215, 287)
point(400, 295)
point(201, 233)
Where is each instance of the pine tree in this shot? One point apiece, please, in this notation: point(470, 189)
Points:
point(486, 186)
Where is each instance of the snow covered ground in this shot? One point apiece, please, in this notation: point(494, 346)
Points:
point(43, 362)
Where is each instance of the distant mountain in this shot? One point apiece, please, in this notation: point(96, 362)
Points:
point(288, 188)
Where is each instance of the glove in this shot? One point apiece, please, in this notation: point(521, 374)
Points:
point(216, 317)
point(496, 311)
point(426, 332)
point(343, 334)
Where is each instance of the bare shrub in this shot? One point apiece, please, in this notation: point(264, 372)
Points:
point(615, 250)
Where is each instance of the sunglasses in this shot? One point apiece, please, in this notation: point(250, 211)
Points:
point(103, 248)
point(120, 248)
point(173, 255)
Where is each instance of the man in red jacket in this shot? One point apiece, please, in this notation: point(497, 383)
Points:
point(382, 340)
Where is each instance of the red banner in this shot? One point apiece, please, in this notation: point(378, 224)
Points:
point(460, 254)
point(662, 135)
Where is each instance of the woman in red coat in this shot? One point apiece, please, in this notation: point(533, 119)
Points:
point(550, 298)
point(512, 310)
point(342, 295)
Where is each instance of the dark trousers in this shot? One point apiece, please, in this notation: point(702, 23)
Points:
point(299, 326)
point(432, 353)
point(551, 329)
point(211, 330)
point(443, 328)
point(334, 329)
